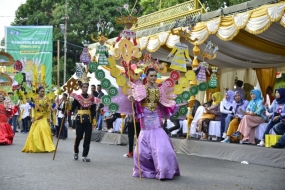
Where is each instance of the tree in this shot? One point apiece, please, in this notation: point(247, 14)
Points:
point(217, 4)
point(83, 17)
point(151, 6)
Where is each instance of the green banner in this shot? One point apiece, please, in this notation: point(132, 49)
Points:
point(32, 46)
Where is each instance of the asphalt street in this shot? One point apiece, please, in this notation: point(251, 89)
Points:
point(108, 169)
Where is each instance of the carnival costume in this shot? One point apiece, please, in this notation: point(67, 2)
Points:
point(180, 51)
point(84, 107)
point(103, 53)
point(181, 56)
point(40, 136)
point(156, 153)
point(6, 132)
point(104, 30)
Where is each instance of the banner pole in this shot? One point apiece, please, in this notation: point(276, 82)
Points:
point(58, 62)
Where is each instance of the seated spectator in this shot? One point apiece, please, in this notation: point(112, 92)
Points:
point(211, 113)
point(280, 143)
point(199, 112)
point(254, 116)
point(238, 87)
point(232, 120)
point(278, 109)
point(195, 107)
point(117, 122)
point(108, 118)
point(226, 107)
point(269, 93)
point(176, 123)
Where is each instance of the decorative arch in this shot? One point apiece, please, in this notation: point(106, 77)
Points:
point(6, 59)
point(5, 80)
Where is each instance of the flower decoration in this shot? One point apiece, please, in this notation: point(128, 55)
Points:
point(126, 7)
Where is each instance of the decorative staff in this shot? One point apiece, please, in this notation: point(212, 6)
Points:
point(68, 87)
point(128, 50)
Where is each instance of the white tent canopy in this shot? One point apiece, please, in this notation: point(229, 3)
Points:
point(95, 81)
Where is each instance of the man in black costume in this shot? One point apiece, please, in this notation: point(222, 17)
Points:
point(84, 109)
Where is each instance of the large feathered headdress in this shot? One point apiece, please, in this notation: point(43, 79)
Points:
point(104, 29)
point(81, 74)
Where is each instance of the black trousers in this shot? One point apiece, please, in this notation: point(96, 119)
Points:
point(86, 129)
point(131, 133)
point(63, 133)
point(176, 125)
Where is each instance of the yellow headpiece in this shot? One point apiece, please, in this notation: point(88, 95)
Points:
point(149, 62)
point(183, 33)
point(126, 19)
point(99, 38)
point(84, 78)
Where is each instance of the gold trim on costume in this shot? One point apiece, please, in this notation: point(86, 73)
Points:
point(82, 112)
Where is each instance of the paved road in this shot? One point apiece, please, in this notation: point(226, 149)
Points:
point(110, 170)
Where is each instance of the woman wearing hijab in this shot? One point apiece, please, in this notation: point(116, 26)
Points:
point(232, 120)
point(254, 116)
point(278, 109)
point(226, 108)
point(211, 113)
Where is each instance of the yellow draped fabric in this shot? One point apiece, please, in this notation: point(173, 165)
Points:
point(266, 77)
point(226, 28)
point(254, 42)
point(40, 136)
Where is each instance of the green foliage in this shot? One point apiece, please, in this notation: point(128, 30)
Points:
point(280, 82)
point(151, 6)
point(83, 17)
point(216, 4)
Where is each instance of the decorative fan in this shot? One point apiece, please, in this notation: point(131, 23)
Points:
point(203, 86)
point(113, 91)
point(113, 107)
point(186, 95)
point(106, 100)
point(183, 110)
point(92, 67)
point(194, 90)
point(105, 83)
point(100, 74)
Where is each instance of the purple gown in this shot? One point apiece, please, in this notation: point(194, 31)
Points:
point(156, 153)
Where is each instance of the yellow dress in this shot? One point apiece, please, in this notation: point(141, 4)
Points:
point(40, 136)
point(181, 56)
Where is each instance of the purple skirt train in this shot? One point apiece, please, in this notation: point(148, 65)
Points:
point(157, 156)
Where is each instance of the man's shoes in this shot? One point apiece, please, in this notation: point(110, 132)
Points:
point(236, 134)
point(261, 143)
point(75, 157)
point(277, 145)
point(129, 155)
point(111, 131)
point(85, 159)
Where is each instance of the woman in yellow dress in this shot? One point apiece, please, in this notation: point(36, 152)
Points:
point(40, 136)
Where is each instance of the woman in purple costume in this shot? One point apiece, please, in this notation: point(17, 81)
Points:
point(156, 154)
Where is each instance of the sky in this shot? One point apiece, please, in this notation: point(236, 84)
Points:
point(7, 13)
